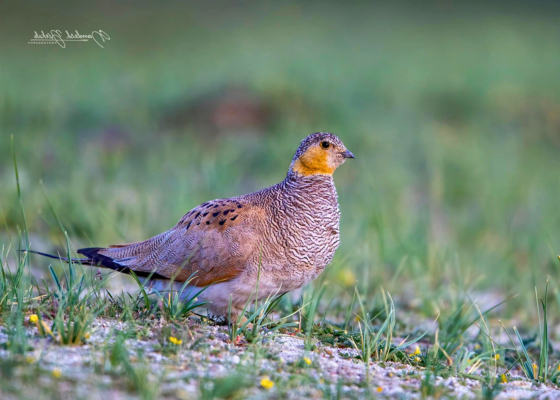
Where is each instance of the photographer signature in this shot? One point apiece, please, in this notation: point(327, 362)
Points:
point(55, 36)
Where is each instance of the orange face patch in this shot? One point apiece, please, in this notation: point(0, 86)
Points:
point(314, 161)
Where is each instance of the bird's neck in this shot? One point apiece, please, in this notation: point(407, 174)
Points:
point(316, 183)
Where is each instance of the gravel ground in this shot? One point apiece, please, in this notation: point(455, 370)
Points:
point(206, 357)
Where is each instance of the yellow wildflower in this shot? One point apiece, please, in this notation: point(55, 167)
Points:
point(176, 341)
point(497, 357)
point(267, 383)
point(535, 370)
point(504, 378)
point(379, 389)
point(417, 351)
point(87, 336)
point(322, 380)
point(417, 359)
point(33, 318)
point(30, 359)
point(307, 360)
point(57, 373)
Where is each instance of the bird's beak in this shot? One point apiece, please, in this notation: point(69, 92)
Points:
point(347, 154)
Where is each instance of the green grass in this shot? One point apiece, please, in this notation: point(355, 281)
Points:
point(450, 209)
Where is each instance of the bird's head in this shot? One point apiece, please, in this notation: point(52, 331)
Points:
point(319, 153)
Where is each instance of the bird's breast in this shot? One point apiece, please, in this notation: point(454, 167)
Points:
point(306, 230)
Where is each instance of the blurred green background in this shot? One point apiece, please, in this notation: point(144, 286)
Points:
point(451, 108)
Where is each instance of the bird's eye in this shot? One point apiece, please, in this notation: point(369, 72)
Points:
point(325, 145)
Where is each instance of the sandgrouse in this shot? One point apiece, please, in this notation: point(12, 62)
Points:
point(287, 233)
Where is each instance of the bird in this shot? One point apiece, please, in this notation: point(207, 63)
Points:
point(279, 238)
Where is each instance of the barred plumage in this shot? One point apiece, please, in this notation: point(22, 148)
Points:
point(289, 232)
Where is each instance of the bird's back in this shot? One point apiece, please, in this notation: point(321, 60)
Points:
point(213, 241)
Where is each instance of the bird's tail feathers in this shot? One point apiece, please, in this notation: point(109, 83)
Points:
point(84, 261)
point(94, 259)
